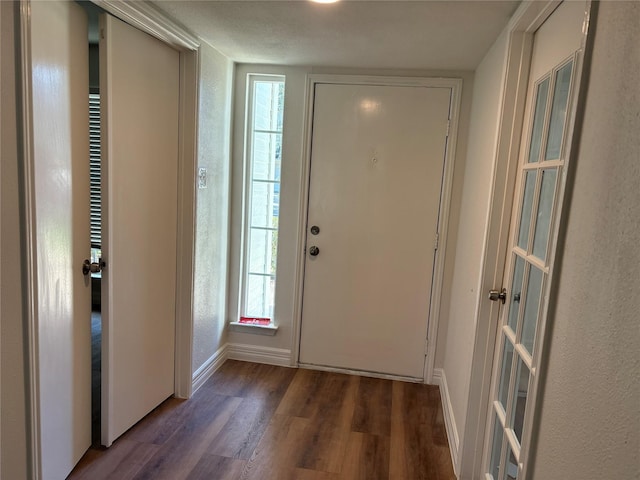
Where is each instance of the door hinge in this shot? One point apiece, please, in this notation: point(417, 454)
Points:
point(437, 242)
point(448, 127)
point(426, 347)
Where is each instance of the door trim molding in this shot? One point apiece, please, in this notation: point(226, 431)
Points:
point(521, 28)
point(149, 19)
point(455, 84)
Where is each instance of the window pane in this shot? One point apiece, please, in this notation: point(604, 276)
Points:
point(496, 449)
point(268, 104)
point(516, 292)
point(511, 470)
point(260, 296)
point(505, 374)
point(265, 200)
point(558, 112)
point(267, 148)
point(531, 308)
point(527, 203)
point(279, 99)
point(538, 120)
point(262, 251)
point(547, 194)
point(520, 399)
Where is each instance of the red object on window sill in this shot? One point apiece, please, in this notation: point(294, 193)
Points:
point(255, 320)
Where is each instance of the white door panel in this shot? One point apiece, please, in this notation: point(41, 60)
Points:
point(139, 95)
point(376, 176)
point(60, 89)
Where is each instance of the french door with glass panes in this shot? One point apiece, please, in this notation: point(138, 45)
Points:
point(520, 332)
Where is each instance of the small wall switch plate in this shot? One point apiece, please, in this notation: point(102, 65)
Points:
point(202, 177)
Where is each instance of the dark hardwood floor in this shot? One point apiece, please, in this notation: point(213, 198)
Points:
point(260, 422)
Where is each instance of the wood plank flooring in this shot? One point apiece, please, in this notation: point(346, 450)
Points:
point(260, 422)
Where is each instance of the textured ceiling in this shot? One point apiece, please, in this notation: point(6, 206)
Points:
point(453, 34)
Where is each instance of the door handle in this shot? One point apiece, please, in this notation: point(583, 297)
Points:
point(95, 267)
point(314, 251)
point(495, 295)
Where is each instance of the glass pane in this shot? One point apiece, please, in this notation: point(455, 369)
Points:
point(267, 150)
point(511, 470)
point(558, 112)
point(262, 251)
point(265, 204)
point(260, 295)
point(496, 449)
point(543, 219)
point(531, 306)
point(268, 104)
point(505, 372)
point(538, 120)
point(520, 399)
point(527, 203)
point(516, 292)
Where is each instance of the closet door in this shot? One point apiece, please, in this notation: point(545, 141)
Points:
point(139, 82)
point(59, 221)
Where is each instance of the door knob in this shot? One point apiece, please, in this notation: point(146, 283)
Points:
point(314, 251)
point(495, 295)
point(95, 267)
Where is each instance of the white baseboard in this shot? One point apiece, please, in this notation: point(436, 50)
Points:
point(440, 379)
point(258, 354)
point(209, 367)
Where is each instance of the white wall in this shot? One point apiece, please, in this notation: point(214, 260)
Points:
point(291, 201)
point(589, 423)
point(13, 435)
point(465, 286)
point(212, 209)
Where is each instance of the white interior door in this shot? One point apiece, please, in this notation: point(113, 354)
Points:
point(542, 163)
point(139, 83)
point(376, 175)
point(60, 120)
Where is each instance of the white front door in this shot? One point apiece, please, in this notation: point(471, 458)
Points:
point(139, 82)
point(375, 185)
point(540, 187)
point(60, 159)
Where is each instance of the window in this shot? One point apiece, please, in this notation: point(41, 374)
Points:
point(263, 154)
point(94, 179)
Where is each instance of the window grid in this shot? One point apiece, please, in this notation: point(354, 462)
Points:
point(265, 102)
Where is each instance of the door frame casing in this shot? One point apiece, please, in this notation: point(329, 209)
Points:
point(151, 21)
point(455, 84)
point(521, 29)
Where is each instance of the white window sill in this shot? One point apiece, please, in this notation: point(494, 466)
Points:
point(254, 329)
